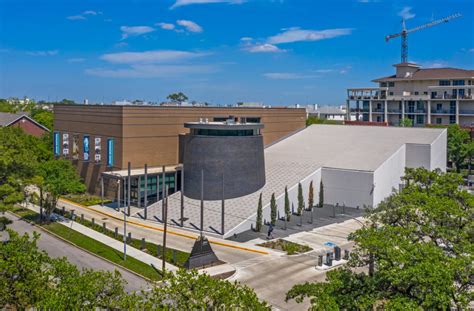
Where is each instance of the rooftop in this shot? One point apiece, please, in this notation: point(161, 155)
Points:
point(223, 125)
point(432, 73)
point(8, 118)
point(294, 158)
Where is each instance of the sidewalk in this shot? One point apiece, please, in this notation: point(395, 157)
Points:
point(117, 245)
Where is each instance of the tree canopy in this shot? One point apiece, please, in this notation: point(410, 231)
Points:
point(177, 97)
point(419, 242)
point(32, 279)
point(460, 146)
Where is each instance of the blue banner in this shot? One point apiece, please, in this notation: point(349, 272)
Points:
point(110, 152)
point(57, 143)
point(86, 147)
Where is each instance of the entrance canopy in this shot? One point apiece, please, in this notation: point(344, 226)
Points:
point(141, 171)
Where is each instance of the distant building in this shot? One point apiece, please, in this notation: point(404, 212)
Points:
point(249, 104)
point(336, 113)
point(426, 96)
point(22, 121)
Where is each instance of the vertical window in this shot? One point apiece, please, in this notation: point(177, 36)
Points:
point(452, 119)
point(439, 121)
point(57, 142)
point(85, 147)
point(110, 152)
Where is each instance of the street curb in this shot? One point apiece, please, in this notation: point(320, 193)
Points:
point(169, 231)
point(82, 249)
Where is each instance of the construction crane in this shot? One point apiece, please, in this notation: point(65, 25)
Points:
point(405, 32)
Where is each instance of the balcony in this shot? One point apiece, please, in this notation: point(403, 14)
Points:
point(378, 110)
point(466, 96)
point(443, 111)
point(394, 110)
point(415, 111)
point(466, 112)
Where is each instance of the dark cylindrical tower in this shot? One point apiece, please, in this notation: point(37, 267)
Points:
point(233, 151)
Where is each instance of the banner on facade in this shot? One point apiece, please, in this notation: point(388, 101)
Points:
point(75, 147)
point(85, 148)
point(65, 144)
point(97, 149)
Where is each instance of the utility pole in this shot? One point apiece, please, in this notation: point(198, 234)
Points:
point(165, 215)
point(163, 183)
point(145, 202)
point(223, 206)
point(202, 202)
point(182, 196)
point(128, 189)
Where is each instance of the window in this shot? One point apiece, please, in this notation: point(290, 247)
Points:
point(390, 93)
point(383, 84)
point(420, 106)
point(110, 152)
point(425, 93)
point(444, 82)
point(439, 121)
point(452, 119)
point(439, 107)
point(391, 84)
point(458, 82)
point(57, 142)
point(379, 119)
point(416, 93)
point(452, 106)
point(420, 119)
point(252, 119)
point(379, 106)
point(434, 94)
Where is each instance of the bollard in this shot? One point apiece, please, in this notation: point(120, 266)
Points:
point(346, 254)
point(93, 221)
point(344, 208)
point(334, 210)
point(116, 232)
point(320, 260)
point(72, 214)
point(174, 256)
point(104, 226)
point(337, 253)
point(129, 237)
point(63, 210)
point(251, 227)
point(329, 259)
point(357, 207)
point(82, 217)
point(143, 244)
point(158, 252)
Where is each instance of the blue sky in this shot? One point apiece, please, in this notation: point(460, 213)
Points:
point(279, 52)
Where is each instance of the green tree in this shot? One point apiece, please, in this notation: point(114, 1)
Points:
point(258, 225)
point(460, 146)
point(44, 117)
point(310, 196)
point(273, 210)
point(287, 205)
point(177, 97)
point(300, 199)
point(321, 194)
point(420, 241)
point(405, 122)
point(59, 177)
point(30, 279)
point(198, 291)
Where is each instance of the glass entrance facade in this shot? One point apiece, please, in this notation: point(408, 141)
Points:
point(154, 187)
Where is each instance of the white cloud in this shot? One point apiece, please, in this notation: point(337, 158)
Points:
point(90, 12)
point(179, 3)
point(246, 39)
point(434, 64)
point(75, 60)
point(286, 76)
point(263, 48)
point(189, 25)
point(297, 34)
point(151, 71)
point(406, 13)
point(43, 53)
point(76, 17)
point(130, 31)
point(165, 26)
point(471, 50)
point(150, 57)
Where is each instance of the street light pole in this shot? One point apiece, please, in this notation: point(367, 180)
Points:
point(124, 225)
point(165, 215)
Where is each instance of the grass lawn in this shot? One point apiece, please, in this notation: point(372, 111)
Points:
point(92, 245)
point(290, 248)
point(85, 199)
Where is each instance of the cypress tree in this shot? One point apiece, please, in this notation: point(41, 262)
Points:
point(273, 210)
point(258, 226)
point(310, 196)
point(321, 194)
point(300, 199)
point(287, 205)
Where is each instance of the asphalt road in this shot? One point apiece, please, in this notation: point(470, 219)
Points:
point(58, 248)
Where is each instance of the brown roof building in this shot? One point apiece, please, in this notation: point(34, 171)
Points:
point(439, 96)
point(23, 121)
point(101, 140)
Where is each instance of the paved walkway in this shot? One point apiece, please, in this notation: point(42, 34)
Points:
point(117, 245)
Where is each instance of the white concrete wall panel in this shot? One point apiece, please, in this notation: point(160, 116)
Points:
point(387, 177)
point(352, 187)
point(418, 155)
point(439, 152)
